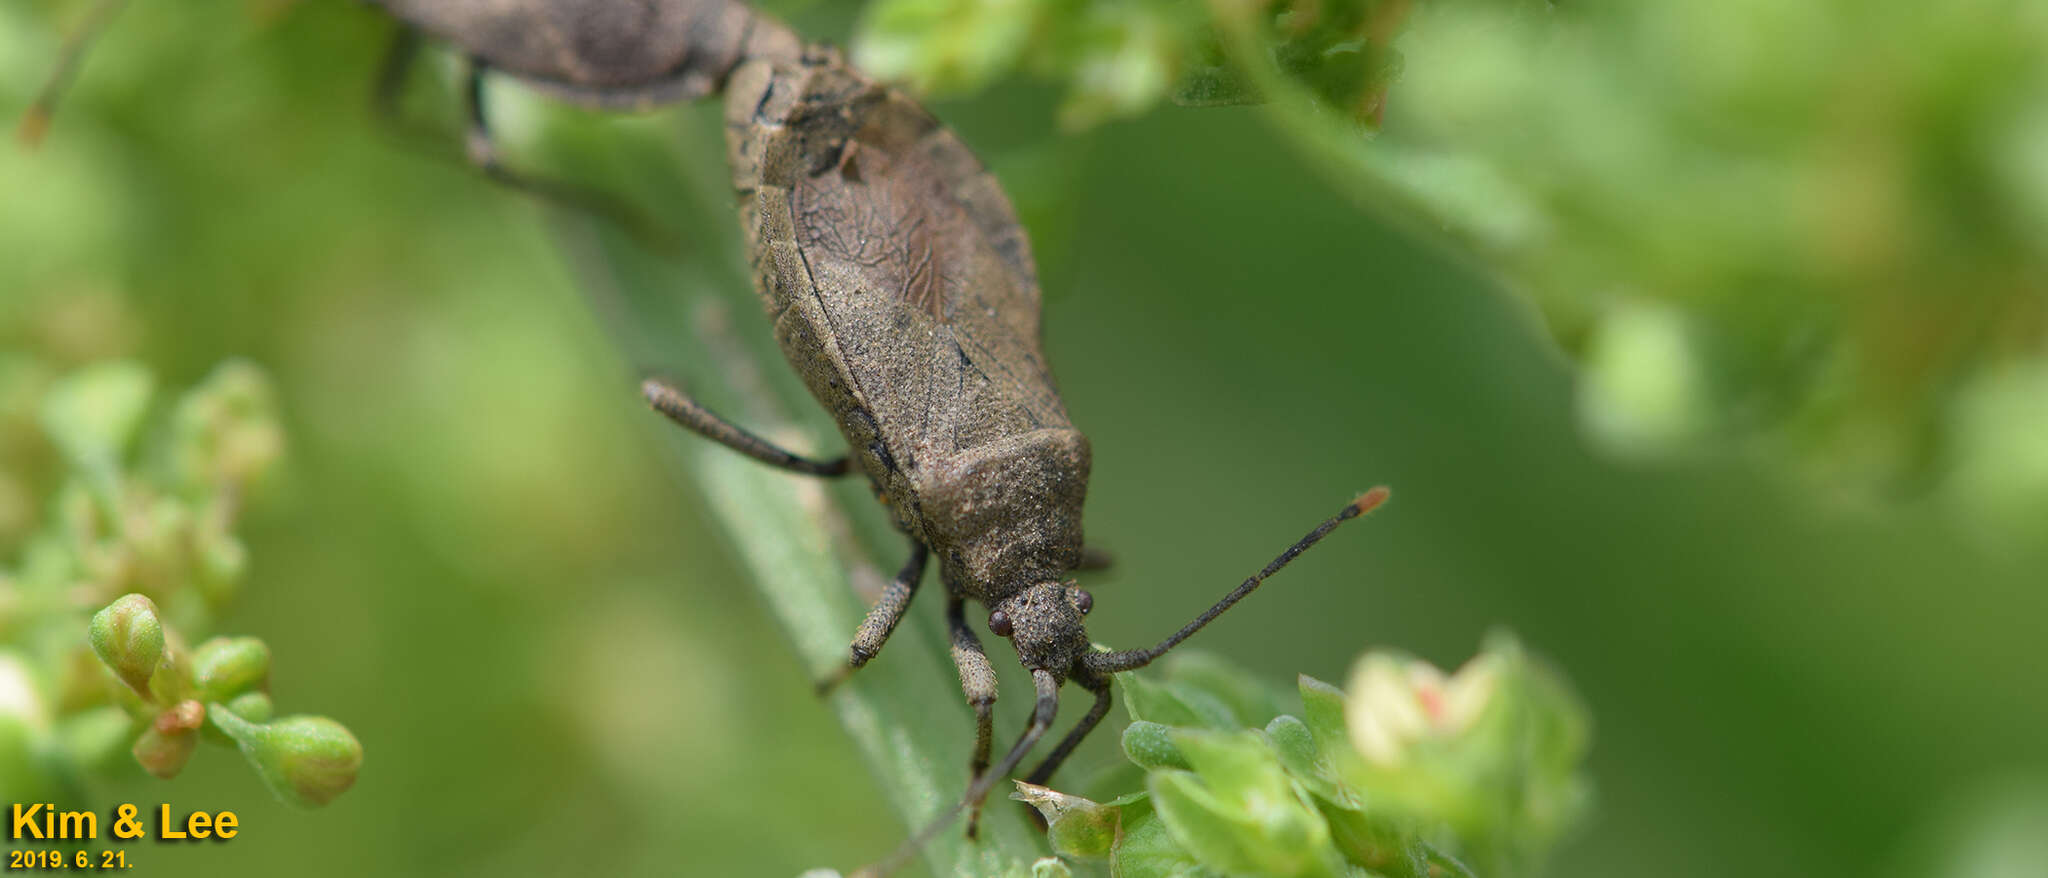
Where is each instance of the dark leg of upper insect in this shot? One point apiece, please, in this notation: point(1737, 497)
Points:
point(680, 408)
point(978, 680)
point(36, 120)
point(482, 151)
point(882, 618)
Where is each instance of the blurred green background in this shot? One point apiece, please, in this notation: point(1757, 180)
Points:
point(483, 557)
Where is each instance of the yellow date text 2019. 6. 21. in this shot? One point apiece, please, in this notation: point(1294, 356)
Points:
point(69, 860)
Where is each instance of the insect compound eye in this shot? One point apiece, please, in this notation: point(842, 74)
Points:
point(1083, 601)
point(999, 623)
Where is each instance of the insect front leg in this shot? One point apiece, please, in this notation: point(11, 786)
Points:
point(882, 618)
point(680, 408)
point(978, 680)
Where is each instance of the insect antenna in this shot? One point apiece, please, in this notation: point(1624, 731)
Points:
point(36, 121)
point(1129, 659)
point(1041, 719)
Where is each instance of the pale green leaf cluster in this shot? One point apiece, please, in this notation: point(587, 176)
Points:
point(1410, 774)
point(139, 545)
point(1121, 57)
point(1810, 230)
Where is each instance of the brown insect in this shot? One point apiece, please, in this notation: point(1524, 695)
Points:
point(900, 286)
point(902, 289)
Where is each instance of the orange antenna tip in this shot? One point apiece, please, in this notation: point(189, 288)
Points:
point(1369, 500)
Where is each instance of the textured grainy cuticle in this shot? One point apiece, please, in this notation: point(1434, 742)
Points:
point(903, 291)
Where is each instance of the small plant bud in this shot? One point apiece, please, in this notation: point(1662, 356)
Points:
point(1492, 751)
point(225, 430)
point(221, 564)
point(305, 760)
point(225, 667)
point(253, 706)
point(167, 744)
point(129, 638)
point(1396, 702)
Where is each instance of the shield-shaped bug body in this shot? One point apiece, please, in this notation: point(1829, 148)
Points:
point(902, 289)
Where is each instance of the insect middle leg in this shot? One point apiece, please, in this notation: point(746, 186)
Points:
point(978, 680)
point(680, 408)
point(882, 618)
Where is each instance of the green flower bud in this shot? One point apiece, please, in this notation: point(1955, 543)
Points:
point(225, 667)
point(158, 531)
point(1492, 751)
point(222, 562)
point(167, 744)
point(253, 706)
point(305, 760)
point(129, 638)
point(1396, 702)
point(225, 431)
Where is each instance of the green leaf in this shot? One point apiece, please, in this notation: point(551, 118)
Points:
point(1147, 847)
point(1323, 713)
point(1250, 700)
point(1151, 745)
point(1238, 811)
point(1295, 746)
point(92, 414)
point(1173, 705)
